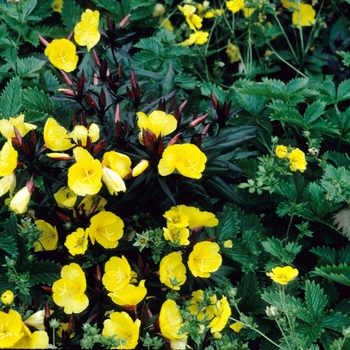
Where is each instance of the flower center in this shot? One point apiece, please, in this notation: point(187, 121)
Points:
point(62, 56)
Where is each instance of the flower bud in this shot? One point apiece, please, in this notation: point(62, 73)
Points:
point(20, 201)
point(272, 312)
point(140, 168)
point(7, 297)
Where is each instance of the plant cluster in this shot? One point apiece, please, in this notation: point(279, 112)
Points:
point(150, 198)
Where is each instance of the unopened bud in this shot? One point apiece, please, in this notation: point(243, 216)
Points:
point(124, 21)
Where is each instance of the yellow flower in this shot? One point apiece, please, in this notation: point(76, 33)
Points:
point(172, 272)
point(65, 198)
point(86, 32)
point(77, 242)
point(228, 244)
point(129, 295)
point(176, 218)
point(159, 10)
point(7, 183)
point(237, 326)
point(170, 321)
point(7, 127)
point(304, 16)
point(36, 320)
point(204, 259)
point(222, 313)
point(19, 202)
point(165, 23)
point(49, 238)
point(177, 235)
point(158, 122)
point(118, 274)
point(90, 201)
point(8, 159)
point(187, 159)
point(289, 4)
point(248, 11)
point(199, 38)
point(80, 132)
point(35, 340)
point(55, 136)
point(57, 5)
point(140, 168)
point(283, 275)
point(196, 217)
point(202, 313)
point(121, 327)
point(235, 5)
point(61, 54)
point(69, 291)
point(84, 177)
point(232, 52)
point(113, 181)
point(118, 162)
point(10, 328)
point(193, 20)
point(106, 228)
point(281, 151)
point(7, 297)
point(297, 160)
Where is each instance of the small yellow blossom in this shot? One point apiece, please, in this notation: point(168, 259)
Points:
point(159, 122)
point(304, 16)
point(7, 127)
point(199, 38)
point(297, 160)
point(106, 228)
point(283, 275)
point(120, 326)
point(179, 235)
point(86, 32)
point(204, 259)
point(208, 312)
point(281, 151)
point(221, 314)
point(8, 159)
point(228, 244)
point(165, 23)
point(187, 159)
point(80, 132)
point(77, 241)
point(84, 177)
point(289, 4)
point(193, 20)
point(159, 10)
point(69, 291)
point(237, 326)
point(232, 52)
point(62, 54)
point(49, 238)
point(57, 5)
point(7, 297)
point(113, 181)
point(56, 136)
point(172, 272)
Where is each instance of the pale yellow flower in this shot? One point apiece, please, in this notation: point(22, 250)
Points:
point(237, 326)
point(7, 126)
point(193, 20)
point(198, 37)
point(304, 16)
point(49, 238)
point(7, 184)
point(172, 272)
point(8, 159)
point(80, 132)
point(56, 136)
point(232, 52)
point(86, 32)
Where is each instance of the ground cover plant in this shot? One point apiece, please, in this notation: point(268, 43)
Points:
point(175, 175)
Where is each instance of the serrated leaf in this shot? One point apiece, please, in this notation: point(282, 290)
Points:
point(344, 90)
point(314, 111)
point(273, 246)
point(327, 254)
point(296, 84)
point(8, 235)
point(274, 298)
point(151, 44)
point(229, 225)
point(44, 272)
point(29, 65)
point(70, 14)
point(337, 273)
point(318, 203)
point(335, 320)
point(342, 220)
point(11, 98)
point(253, 104)
point(316, 301)
point(35, 99)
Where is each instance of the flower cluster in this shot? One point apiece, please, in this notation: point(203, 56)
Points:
point(296, 157)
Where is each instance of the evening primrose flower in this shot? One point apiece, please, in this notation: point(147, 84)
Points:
point(297, 160)
point(49, 238)
point(7, 297)
point(36, 320)
point(19, 202)
point(199, 38)
point(159, 122)
point(77, 241)
point(304, 16)
point(204, 259)
point(170, 321)
point(179, 235)
point(187, 159)
point(106, 228)
point(281, 151)
point(197, 217)
point(221, 314)
point(172, 272)
point(7, 184)
point(69, 291)
point(95, 201)
point(130, 295)
point(118, 162)
point(120, 326)
point(232, 52)
point(118, 274)
point(113, 181)
point(56, 136)
point(86, 32)
point(84, 177)
point(8, 159)
point(35, 340)
point(7, 127)
point(237, 326)
point(193, 20)
point(10, 328)
point(65, 198)
point(57, 5)
point(62, 54)
point(283, 275)
point(80, 132)
point(235, 5)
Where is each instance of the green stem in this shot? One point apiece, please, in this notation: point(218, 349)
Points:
point(289, 226)
point(285, 311)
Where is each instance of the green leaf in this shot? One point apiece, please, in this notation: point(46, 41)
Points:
point(274, 298)
point(44, 272)
point(152, 45)
point(316, 301)
point(344, 90)
point(335, 321)
point(253, 104)
point(229, 225)
point(326, 254)
point(8, 235)
point(28, 66)
point(71, 13)
point(296, 84)
point(273, 246)
point(10, 101)
point(314, 111)
point(337, 273)
point(35, 99)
